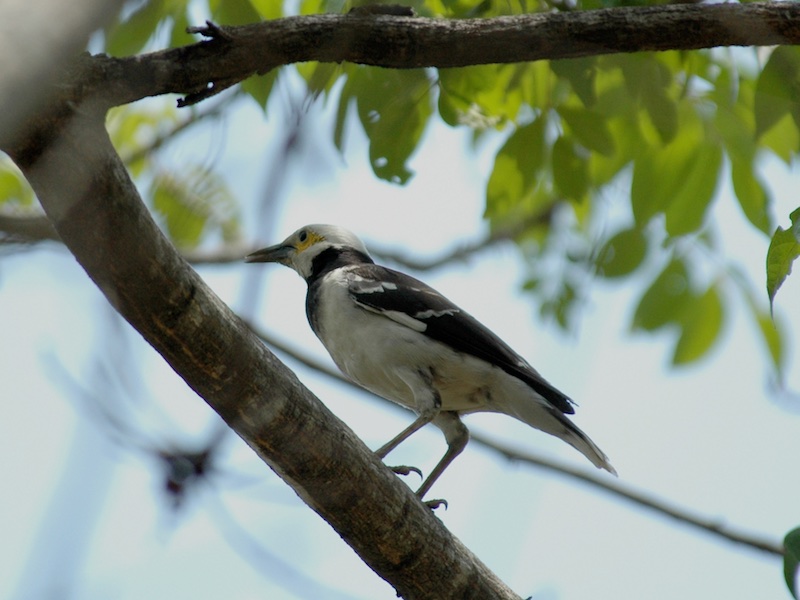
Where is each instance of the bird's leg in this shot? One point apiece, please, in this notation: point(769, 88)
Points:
point(418, 424)
point(428, 405)
point(457, 436)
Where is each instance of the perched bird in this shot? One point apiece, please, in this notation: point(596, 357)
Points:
point(401, 339)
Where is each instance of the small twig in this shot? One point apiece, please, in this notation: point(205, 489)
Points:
point(211, 30)
point(625, 492)
point(212, 89)
point(464, 251)
point(219, 35)
point(606, 484)
point(27, 229)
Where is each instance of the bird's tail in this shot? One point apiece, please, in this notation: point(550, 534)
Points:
point(550, 420)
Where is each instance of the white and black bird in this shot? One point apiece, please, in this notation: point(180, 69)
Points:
point(402, 340)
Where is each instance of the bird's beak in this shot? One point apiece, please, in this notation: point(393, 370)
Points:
point(280, 253)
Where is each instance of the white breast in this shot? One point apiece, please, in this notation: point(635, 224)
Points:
point(391, 359)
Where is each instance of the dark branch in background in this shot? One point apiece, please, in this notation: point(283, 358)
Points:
point(27, 230)
point(605, 484)
point(167, 136)
point(464, 251)
point(39, 229)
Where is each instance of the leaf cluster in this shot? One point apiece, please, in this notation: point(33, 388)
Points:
point(572, 137)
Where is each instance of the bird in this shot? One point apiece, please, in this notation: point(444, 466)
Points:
point(399, 338)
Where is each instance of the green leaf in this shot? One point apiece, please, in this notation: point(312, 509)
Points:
point(687, 209)
point(778, 88)
point(771, 336)
point(663, 112)
point(135, 128)
point(580, 72)
point(783, 250)
point(268, 9)
point(313, 7)
point(320, 77)
point(701, 322)
point(752, 196)
point(342, 109)
point(193, 203)
point(622, 254)
point(128, 37)
point(561, 305)
point(791, 560)
point(179, 36)
point(482, 95)
point(589, 128)
point(649, 79)
point(783, 139)
point(259, 87)
point(664, 300)
point(614, 97)
point(678, 180)
point(233, 12)
point(14, 189)
point(736, 127)
point(394, 107)
point(517, 168)
point(627, 139)
point(570, 169)
point(767, 327)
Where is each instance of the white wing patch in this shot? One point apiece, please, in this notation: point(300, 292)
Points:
point(427, 314)
point(370, 286)
point(396, 316)
point(405, 319)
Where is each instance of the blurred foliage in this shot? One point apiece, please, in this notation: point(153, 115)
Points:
point(16, 196)
point(666, 130)
point(791, 560)
point(192, 204)
point(783, 249)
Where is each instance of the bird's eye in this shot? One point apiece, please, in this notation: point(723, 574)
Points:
point(303, 235)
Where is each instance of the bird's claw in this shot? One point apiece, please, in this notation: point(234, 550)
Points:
point(434, 504)
point(405, 470)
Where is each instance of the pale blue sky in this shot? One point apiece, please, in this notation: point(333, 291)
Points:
point(709, 437)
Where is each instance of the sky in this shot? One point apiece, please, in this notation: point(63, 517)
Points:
point(84, 515)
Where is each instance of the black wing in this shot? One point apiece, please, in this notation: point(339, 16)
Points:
point(414, 304)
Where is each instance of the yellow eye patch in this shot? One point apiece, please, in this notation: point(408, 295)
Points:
point(307, 238)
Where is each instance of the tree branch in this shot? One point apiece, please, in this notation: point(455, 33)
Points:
point(86, 192)
point(467, 249)
point(234, 53)
point(63, 149)
point(603, 483)
point(26, 230)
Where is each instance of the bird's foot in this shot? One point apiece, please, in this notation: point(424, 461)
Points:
point(405, 470)
point(434, 504)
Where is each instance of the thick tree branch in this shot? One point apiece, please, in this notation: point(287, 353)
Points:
point(38, 39)
point(84, 188)
point(235, 53)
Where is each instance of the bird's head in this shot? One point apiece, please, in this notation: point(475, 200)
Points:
point(299, 249)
